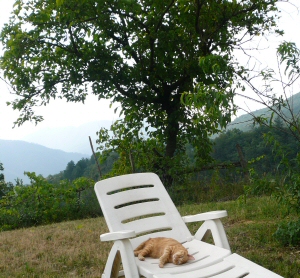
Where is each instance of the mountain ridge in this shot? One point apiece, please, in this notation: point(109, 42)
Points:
point(68, 138)
point(245, 121)
point(18, 156)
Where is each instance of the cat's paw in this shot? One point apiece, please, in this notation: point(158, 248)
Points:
point(161, 265)
point(141, 258)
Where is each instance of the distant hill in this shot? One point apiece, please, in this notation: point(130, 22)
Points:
point(70, 138)
point(19, 156)
point(245, 122)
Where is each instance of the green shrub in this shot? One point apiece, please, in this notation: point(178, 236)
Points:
point(284, 186)
point(289, 233)
point(42, 202)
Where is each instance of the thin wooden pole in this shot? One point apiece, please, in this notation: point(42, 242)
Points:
point(99, 169)
point(243, 161)
point(131, 161)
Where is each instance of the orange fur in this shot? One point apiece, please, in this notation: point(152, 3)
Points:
point(168, 250)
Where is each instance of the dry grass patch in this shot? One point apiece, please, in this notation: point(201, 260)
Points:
point(69, 249)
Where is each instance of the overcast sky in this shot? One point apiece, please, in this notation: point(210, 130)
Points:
point(60, 113)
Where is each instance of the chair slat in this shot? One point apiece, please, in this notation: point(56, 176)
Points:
point(126, 181)
point(148, 224)
point(209, 271)
point(141, 209)
point(130, 196)
point(235, 272)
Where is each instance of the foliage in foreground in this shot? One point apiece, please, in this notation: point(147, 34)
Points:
point(284, 186)
point(42, 202)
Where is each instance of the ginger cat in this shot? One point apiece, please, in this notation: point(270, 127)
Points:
point(168, 250)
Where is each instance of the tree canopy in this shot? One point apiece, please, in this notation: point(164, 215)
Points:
point(169, 64)
point(4, 186)
point(1, 175)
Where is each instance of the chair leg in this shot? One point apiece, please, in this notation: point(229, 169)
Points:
point(217, 230)
point(116, 266)
point(113, 264)
point(121, 252)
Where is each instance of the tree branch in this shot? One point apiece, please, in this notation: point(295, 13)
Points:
point(163, 14)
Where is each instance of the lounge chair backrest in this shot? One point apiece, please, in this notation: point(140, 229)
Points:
point(141, 203)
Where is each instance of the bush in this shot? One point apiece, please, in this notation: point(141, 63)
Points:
point(289, 233)
point(42, 202)
point(284, 186)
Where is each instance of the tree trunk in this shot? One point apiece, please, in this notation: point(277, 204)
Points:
point(171, 142)
point(172, 109)
point(171, 133)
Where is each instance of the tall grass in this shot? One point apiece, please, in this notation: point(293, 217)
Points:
point(213, 186)
point(73, 249)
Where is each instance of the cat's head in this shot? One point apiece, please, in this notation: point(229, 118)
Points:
point(182, 257)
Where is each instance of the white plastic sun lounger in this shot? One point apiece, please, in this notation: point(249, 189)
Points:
point(137, 206)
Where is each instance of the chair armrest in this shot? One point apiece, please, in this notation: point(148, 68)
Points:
point(126, 234)
point(205, 216)
point(212, 224)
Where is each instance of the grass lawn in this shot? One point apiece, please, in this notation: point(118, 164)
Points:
point(73, 249)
